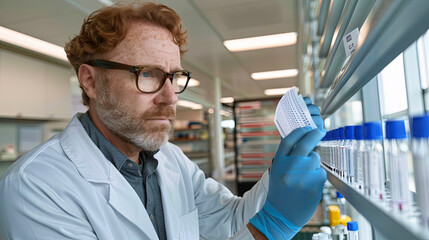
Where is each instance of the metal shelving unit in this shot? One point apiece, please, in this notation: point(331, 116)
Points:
point(389, 29)
point(195, 143)
point(390, 225)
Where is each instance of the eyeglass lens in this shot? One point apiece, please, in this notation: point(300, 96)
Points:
point(152, 79)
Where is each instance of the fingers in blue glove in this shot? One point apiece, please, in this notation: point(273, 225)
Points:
point(288, 143)
point(307, 100)
point(307, 143)
point(314, 110)
point(318, 121)
point(296, 164)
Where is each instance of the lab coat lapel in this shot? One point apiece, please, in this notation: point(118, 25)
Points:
point(125, 200)
point(95, 168)
point(169, 183)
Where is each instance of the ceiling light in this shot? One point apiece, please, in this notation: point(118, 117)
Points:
point(192, 82)
point(276, 91)
point(286, 73)
point(189, 104)
point(31, 43)
point(227, 100)
point(268, 41)
point(106, 2)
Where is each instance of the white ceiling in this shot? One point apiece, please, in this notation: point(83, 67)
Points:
point(208, 22)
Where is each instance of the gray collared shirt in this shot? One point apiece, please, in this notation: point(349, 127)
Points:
point(142, 177)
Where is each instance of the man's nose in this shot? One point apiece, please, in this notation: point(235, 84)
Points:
point(166, 94)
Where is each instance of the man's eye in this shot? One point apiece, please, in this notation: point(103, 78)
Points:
point(146, 74)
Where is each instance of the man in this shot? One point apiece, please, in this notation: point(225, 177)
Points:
point(112, 174)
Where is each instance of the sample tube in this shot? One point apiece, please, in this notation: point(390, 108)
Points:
point(329, 150)
point(352, 228)
point(322, 147)
point(335, 151)
point(341, 204)
point(358, 149)
point(421, 163)
point(348, 144)
point(373, 160)
point(397, 154)
point(341, 153)
point(339, 232)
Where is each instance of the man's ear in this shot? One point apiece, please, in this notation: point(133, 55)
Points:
point(86, 76)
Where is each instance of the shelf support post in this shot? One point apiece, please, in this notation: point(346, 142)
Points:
point(218, 160)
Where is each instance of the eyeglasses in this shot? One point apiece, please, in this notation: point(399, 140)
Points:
point(149, 79)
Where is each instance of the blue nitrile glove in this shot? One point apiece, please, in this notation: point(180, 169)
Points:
point(295, 185)
point(314, 112)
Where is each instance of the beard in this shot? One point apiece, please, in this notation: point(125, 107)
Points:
point(128, 124)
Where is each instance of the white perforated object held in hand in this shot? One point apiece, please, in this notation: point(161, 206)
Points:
point(292, 113)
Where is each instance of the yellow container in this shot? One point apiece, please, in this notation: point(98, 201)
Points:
point(345, 220)
point(334, 215)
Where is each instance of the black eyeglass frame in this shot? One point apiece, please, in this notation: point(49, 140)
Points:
point(137, 70)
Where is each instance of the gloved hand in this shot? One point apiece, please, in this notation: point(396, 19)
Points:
point(314, 112)
point(295, 185)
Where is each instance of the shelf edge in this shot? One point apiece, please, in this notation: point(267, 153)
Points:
point(389, 225)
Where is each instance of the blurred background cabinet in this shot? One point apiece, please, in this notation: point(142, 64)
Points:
point(193, 138)
point(24, 80)
point(256, 139)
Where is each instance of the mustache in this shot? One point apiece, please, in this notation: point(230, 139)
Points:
point(161, 111)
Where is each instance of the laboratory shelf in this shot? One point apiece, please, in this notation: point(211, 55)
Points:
point(389, 29)
point(387, 223)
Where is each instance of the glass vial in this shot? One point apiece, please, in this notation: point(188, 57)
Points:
point(352, 228)
point(341, 201)
point(349, 152)
point(373, 160)
point(358, 148)
point(397, 157)
point(421, 163)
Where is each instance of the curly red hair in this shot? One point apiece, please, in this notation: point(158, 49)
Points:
point(105, 28)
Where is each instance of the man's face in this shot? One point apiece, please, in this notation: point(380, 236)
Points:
point(142, 119)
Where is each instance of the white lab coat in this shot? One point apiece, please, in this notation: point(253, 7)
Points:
point(66, 189)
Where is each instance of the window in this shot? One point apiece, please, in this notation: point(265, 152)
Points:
point(348, 114)
point(423, 55)
point(393, 92)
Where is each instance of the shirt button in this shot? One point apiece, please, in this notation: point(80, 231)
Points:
point(130, 165)
point(151, 217)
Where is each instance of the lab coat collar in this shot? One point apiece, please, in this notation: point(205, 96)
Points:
point(95, 168)
point(81, 150)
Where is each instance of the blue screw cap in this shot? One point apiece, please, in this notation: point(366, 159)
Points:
point(349, 132)
point(372, 131)
point(395, 129)
point(352, 226)
point(358, 132)
point(421, 126)
point(339, 195)
point(341, 133)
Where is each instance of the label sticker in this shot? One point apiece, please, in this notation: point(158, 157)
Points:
point(350, 41)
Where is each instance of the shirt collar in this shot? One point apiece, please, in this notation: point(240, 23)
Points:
point(109, 151)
